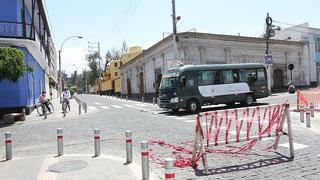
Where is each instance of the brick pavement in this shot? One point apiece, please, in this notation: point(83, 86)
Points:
point(149, 124)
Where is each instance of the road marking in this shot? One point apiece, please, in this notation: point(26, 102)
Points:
point(190, 121)
point(267, 139)
point(104, 107)
point(127, 105)
point(116, 106)
point(181, 118)
point(296, 146)
point(97, 103)
point(92, 107)
point(142, 105)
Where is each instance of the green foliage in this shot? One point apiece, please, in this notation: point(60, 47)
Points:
point(11, 64)
point(93, 60)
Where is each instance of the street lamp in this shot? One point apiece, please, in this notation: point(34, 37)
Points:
point(60, 51)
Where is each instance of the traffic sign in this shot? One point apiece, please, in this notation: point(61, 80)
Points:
point(268, 59)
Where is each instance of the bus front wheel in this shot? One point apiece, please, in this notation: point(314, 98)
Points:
point(193, 106)
point(249, 100)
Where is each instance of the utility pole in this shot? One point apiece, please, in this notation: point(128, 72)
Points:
point(174, 34)
point(270, 32)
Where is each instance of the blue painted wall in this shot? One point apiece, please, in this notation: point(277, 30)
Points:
point(27, 90)
point(9, 10)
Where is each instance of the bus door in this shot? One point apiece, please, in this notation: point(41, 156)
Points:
point(187, 86)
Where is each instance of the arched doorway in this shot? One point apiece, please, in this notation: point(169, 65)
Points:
point(278, 80)
point(141, 93)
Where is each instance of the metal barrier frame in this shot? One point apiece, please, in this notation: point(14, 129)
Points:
point(199, 146)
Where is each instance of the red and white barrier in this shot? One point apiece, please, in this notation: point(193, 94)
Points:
point(225, 127)
point(309, 98)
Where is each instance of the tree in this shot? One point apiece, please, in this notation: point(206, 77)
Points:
point(124, 47)
point(108, 59)
point(92, 60)
point(11, 64)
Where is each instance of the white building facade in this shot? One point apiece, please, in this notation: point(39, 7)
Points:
point(142, 75)
point(311, 37)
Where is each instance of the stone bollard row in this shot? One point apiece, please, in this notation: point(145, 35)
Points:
point(60, 141)
point(85, 107)
point(308, 114)
point(23, 114)
point(96, 142)
point(129, 146)
point(8, 144)
point(312, 109)
point(145, 160)
point(169, 162)
point(169, 174)
point(153, 100)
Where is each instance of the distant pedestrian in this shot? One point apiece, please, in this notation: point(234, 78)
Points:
point(64, 98)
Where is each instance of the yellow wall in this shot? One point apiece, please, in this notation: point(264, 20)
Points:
point(132, 53)
point(112, 73)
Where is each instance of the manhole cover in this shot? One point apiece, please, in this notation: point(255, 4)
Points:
point(67, 166)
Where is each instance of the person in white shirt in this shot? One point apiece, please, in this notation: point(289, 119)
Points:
point(64, 98)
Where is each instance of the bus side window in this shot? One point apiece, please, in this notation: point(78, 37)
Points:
point(235, 76)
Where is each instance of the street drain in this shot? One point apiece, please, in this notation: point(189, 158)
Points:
point(67, 166)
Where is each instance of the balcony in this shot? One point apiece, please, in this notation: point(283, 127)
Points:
point(16, 30)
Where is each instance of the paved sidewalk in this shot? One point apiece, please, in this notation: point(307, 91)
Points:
point(72, 166)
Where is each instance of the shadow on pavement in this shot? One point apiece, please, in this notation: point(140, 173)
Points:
point(3, 124)
point(247, 166)
point(206, 109)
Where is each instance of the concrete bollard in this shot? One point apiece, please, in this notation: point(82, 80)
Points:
point(169, 174)
point(85, 107)
point(121, 97)
point(8, 143)
point(45, 113)
point(116, 97)
point(153, 100)
point(142, 99)
point(96, 142)
point(301, 115)
point(126, 97)
point(145, 160)
point(60, 141)
point(129, 146)
point(308, 124)
point(79, 109)
point(23, 114)
point(312, 109)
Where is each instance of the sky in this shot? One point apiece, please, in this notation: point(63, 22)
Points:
point(144, 22)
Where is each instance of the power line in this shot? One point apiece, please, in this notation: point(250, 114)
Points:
point(124, 18)
point(288, 24)
point(289, 29)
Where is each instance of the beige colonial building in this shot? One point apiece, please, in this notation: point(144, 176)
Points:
point(141, 76)
point(111, 83)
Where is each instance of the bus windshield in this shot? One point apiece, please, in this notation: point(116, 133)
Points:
point(168, 83)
